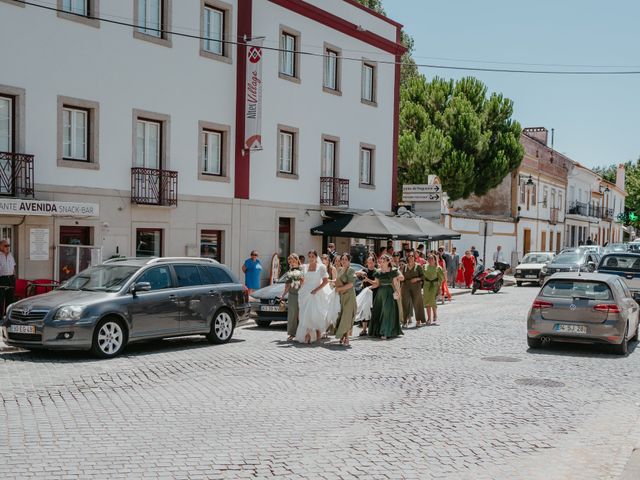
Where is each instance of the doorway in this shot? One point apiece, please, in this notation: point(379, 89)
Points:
point(527, 241)
point(543, 241)
point(558, 244)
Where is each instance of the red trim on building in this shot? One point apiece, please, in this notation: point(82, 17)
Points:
point(333, 21)
point(242, 164)
point(357, 4)
point(396, 122)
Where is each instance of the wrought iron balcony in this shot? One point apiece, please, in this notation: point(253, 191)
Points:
point(152, 186)
point(554, 215)
point(334, 192)
point(578, 208)
point(16, 175)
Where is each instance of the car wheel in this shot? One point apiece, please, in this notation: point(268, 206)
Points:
point(222, 327)
point(622, 348)
point(635, 335)
point(263, 323)
point(534, 342)
point(109, 338)
point(473, 290)
point(518, 284)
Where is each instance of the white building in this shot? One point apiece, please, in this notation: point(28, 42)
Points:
point(144, 128)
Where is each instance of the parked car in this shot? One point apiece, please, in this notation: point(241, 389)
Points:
point(584, 308)
point(571, 260)
point(528, 270)
point(108, 306)
point(616, 247)
point(627, 266)
point(265, 303)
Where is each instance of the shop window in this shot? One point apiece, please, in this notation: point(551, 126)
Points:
point(148, 242)
point(75, 251)
point(211, 244)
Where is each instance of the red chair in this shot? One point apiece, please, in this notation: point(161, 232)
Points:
point(20, 291)
point(42, 285)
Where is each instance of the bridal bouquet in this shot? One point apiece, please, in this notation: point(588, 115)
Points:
point(295, 278)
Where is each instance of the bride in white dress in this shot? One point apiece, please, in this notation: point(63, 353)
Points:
point(313, 300)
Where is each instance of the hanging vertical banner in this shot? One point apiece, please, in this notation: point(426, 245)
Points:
point(253, 101)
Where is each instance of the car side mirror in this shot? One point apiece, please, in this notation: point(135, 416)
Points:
point(140, 287)
point(591, 266)
point(636, 297)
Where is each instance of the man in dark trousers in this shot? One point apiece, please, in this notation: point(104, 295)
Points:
point(7, 274)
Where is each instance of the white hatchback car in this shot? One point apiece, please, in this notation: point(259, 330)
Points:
point(528, 270)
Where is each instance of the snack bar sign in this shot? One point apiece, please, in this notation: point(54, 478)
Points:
point(14, 206)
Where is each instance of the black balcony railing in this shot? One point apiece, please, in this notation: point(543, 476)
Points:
point(16, 175)
point(334, 192)
point(151, 186)
point(590, 210)
point(578, 208)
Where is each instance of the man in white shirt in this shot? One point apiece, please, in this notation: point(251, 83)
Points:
point(7, 274)
point(498, 256)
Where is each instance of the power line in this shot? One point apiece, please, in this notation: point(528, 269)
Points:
point(347, 58)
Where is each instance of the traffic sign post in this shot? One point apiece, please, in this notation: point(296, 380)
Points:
point(421, 193)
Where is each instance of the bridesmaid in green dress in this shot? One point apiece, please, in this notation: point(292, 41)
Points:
point(433, 278)
point(385, 318)
point(293, 310)
point(345, 287)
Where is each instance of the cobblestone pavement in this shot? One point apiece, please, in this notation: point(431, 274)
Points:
point(461, 400)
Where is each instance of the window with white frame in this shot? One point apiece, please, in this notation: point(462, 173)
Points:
point(214, 21)
point(6, 124)
point(368, 82)
point(212, 152)
point(79, 7)
point(148, 135)
point(331, 69)
point(545, 195)
point(286, 153)
point(288, 54)
point(328, 158)
point(366, 166)
point(523, 192)
point(75, 134)
point(150, 17)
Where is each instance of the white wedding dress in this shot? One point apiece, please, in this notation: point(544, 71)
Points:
point(314, 308)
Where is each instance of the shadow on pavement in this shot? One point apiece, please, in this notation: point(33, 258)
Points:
point(581, 350)
point(138, 349)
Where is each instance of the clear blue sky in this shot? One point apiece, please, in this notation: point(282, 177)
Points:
point(596, 119)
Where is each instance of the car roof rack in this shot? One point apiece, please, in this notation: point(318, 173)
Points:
point(178, 259)
point(125, 259)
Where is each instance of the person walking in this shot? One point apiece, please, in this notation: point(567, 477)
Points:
point(7, 274)
point(313, 301)
point(444, 287)
point(368, 276)
point(433, 278)
point(331, 251)
point(452, 269)
point(411, 291)
point(332, 271)
point(469, 266)
point(385, 320)
point(252, 268)
point(475, 253)
point(345, 287)
point(291, 288)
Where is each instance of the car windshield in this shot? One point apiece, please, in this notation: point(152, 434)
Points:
point(620, 263)
point(577, 289)
point(569, 257)
point(616, 247)
point(536, 258)
point(102, 278)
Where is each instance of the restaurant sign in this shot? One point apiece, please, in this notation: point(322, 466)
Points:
point(16, 206)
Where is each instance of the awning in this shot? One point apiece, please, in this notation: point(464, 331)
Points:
point(376, 225)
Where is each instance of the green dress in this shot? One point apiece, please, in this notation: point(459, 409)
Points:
point(293, 310)
point(385, 318)
point(433, 278)
point(348, 306)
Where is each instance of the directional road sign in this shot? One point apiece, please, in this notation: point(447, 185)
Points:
point(426, 188)
point(421, 197)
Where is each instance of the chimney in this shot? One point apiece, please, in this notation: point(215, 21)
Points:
point(620, 177)
point(539, 134)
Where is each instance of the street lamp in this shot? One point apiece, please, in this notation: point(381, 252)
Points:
point(530, 182)
point(606, 189)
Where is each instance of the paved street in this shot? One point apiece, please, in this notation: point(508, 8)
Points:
point(461, 400)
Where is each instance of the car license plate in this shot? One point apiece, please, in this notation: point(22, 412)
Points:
point(570, 328)
point(22, 329)
point(270, 308)
point(530, 276)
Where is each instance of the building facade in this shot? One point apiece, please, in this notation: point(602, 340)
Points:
point(130, 139)
point(549, 203)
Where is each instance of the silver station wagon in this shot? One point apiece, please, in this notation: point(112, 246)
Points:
point(584, 308)
point(105, 307)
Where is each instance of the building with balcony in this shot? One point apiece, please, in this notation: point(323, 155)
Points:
point(130, 139)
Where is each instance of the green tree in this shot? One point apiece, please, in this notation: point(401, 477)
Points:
point(632, 185)
point(453, 129)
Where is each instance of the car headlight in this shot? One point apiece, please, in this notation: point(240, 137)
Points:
point(69, 312)
point(545, 269)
